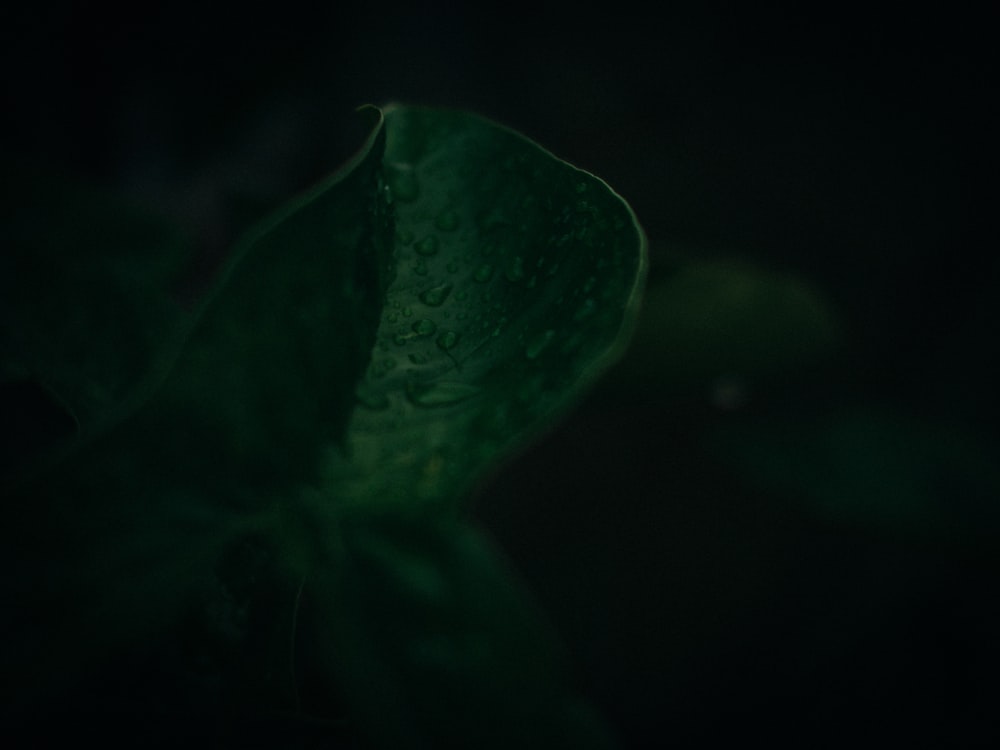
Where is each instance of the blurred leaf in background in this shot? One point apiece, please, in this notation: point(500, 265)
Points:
point(725, 323)
point(87, 319)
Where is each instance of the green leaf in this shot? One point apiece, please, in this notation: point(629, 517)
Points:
point(368, 352)
point(517, 279)
point(387, 343)
point(269, 375)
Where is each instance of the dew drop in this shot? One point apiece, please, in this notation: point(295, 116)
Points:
point(483, 274)
point(424, 327)
point(538, 343)
point(515, 272)
point(420, 269)
point(435, 296)
point(440, 394)
point(581, 187)
point(372, 399)
point(585, 310)
point(405, 236)
point(447, 221)
point(427, 246)
point(380, 369)
point(418, 359)
point(447, 340)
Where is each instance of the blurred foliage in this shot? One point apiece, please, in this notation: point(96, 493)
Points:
point(868, 466)
point(706, 320)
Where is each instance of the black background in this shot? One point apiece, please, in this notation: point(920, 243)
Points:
point(850, 146)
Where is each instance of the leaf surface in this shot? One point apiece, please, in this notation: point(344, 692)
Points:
point(517, 280)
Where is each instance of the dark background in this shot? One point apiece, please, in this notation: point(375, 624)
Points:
point(848, 148)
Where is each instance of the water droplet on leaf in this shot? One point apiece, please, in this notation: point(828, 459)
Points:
point(424, 327)
point(447, 340)
point(515, 272)
point(538, 343)
point(585, 310)
point(427, 246)
point(440, 394)
point(372, 399)
point(436, 296)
